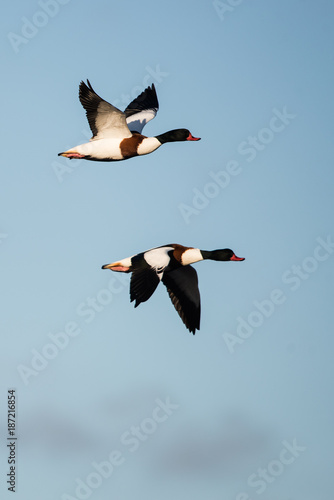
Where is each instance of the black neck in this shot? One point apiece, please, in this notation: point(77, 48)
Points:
point(179, 134)
point(221, 255)
point(206, 254)
point(166, 137)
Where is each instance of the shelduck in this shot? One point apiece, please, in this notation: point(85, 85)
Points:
point(171, 265)
point(116, 134)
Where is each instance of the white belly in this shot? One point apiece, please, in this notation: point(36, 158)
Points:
point(101, 149)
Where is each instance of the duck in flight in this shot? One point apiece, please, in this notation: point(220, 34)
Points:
point(171, 265)
point(117, 135)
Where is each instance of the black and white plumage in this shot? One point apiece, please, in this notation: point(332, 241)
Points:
point(171, 265)
point(117, 135)
point(142, 109)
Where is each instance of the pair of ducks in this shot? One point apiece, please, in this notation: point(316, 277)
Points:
point(118, 136)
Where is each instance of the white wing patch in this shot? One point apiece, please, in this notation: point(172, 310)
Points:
point(158, 259)
point(137, 122)
point(110, 122)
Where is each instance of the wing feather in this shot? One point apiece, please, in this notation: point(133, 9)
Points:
point(142, 109)
point(143, 283)
point(105, 120)
point(182, 287)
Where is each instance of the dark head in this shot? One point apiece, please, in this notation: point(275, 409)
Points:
point(180, 134)
point(225, 254)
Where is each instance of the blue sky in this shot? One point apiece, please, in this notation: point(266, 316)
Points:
point(244, 408)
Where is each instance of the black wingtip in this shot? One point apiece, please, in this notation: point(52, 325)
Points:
point(85, 87)
point(148, 99)
point(90, 85)
point(132, 299)
point(192, 329)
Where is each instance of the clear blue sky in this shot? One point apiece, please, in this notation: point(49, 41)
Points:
point(243, 409)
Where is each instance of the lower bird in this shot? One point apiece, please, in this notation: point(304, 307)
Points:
point(171, 265)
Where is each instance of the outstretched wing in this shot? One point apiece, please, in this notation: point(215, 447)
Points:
point(182, 287)
point(143, 283)
point(142, 109)
point(104, 119)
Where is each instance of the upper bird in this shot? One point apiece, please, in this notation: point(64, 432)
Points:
point(117, 134)
point(170, 264)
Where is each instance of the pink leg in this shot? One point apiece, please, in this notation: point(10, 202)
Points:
point(73, 155)
point(121, 269)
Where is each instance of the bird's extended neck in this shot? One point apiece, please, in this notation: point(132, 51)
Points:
point(179, 134)
point(207, 254)
point(190, 256)
point(166, 137)
point(225, 254)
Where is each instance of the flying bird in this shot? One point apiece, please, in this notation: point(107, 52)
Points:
point(171, 265)
point(117, 135)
